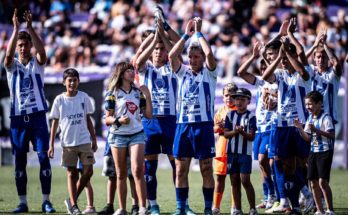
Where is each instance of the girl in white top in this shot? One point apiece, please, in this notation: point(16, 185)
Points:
point(123, 105)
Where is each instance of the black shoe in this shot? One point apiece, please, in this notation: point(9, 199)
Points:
point(108, 209)
point(135, 210)
point(21, 208)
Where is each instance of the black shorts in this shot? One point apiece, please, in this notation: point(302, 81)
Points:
point(319, 165)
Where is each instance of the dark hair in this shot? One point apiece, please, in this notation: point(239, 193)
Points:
point(71, 72)
point(315, 96)
point(230, 88)
point(146, 33)
point(276, 44)
point(23, 35)
point(115, 80)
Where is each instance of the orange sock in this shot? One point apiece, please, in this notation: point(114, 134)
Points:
point(217, 200)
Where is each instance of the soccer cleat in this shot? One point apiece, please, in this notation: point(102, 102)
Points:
point(309, 204)
point(208, 211)
point(135, 210)
point(68, 205)
point(89, 210)
point(47, 207)
point(216, 211)
point(253, 211)
point(74, 210)
point(189, 211)
point(120, 211)
point(261, 205)
point(154, 210)
point(179, 211)
point(270, 201)
point(108, 209)
point(21, 208)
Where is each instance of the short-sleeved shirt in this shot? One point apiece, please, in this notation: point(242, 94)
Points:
point(196, 95)
point(291, 91)
point(26, 84)
point(238, 144)
point(328, 85)
point(163, 86)
point(72, 115)
point(323, 122)
point(125, 103)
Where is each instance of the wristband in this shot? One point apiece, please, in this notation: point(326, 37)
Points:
point(117, 122)
point(185, 37)
point(166, 26)
point(199, 35)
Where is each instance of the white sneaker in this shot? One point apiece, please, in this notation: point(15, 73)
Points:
point(319, 213)
point(216, 211)
point(271, 210)
point(281, 209)
point(270, 201)
point(235, 211)
point(328, 212)
point(253, 211)
point(309, 204)
point(142, 211)
point(120, 211)
point(89, 210)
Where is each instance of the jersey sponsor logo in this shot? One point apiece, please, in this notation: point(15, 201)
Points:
point(131, 107)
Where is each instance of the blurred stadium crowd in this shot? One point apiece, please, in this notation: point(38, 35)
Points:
point(100, 33)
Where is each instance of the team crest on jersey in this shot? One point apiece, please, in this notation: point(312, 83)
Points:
point(131, 107)
point(26, 83)
point(159, 83)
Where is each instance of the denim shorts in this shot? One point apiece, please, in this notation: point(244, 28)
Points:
point(124, 141)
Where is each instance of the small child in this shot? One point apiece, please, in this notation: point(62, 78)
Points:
point(72, 111)
point(319, 131)
point(220, 146)
point(240, 127)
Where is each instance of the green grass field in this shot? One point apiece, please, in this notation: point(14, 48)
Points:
point(165, 196)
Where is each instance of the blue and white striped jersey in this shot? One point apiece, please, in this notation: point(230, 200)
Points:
point(292, 90)
point(26, 83)
point(328, 85)
point(323, 122)
point(239, 144)
point(196, 95)
point(264, 117)
point(163, 86)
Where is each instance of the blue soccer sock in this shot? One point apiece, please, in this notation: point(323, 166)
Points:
point(21, 173)
point(280, 178)
point(269, 184)
point(291, 189)
point(208, 194)
point(181, 197)
point(150, 178)
point(172, 163)
point(265, 190)
point(45, 172)
point(274, 180)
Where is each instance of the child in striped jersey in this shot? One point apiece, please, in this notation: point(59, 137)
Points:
point(319, 132)
point(240, 127)
point(221, 144)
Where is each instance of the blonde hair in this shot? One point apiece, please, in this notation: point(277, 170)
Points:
point(230, 87)
point(115, 80)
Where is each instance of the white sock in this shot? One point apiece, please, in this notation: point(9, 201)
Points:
point(152, 202)
point(23, 199)
point(45, 197)
point(305, 191)
point(284, 202)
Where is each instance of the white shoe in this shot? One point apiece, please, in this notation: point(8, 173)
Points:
point(120, 211)
point(253, 211)
point(319, 213)
point(89, 210)
point(270, 201)
point(235, 211)
point(328, 212)
point(271, 210)
point(282, 209)
point(309, 204)
point(68, 205)
point(216, 211)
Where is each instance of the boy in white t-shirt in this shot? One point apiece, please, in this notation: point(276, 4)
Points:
point(71, 111)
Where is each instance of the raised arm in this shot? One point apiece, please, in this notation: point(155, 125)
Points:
point(299, 48)
point(142, 47)
point(162, 35)
point(145, 55)
point(179, 46)
point(268, 75)
point(11, 49)
point(298, 66)
point(209, 56)
point(333, 60)
point(242, 71)
point(37, 43)
point(319, 39)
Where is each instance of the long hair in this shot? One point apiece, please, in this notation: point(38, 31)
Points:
point(115, 80)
